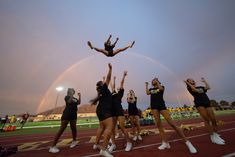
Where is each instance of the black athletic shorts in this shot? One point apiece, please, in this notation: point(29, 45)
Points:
point(158, 107)
point(102, 115)
point(117, 111)
point(202, 104)
point(133, 112)
point(110, 54)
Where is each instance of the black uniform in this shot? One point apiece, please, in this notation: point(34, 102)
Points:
point(104, 108)
point(200, 97)
point(109, 48)
point(157, 102)
point(70, 111)
point(132, 109)
point(117, 109)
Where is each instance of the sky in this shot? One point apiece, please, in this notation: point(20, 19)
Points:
point(43, 45)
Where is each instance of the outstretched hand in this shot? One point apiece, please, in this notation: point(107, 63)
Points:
point(110, 66)
point(203, 79)
point(125, 73)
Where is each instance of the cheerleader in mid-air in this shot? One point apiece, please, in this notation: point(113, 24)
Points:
point(109, 48)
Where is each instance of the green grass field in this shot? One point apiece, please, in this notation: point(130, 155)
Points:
point(47, 127)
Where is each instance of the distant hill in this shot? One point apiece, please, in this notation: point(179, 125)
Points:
point(81, 109)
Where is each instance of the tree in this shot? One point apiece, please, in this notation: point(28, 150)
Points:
point(224, 104)
point(233, 104)
point(215, 104)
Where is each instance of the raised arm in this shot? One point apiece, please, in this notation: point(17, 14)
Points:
point(103, 79)
point(123, 79)
point(191, 86)
point(110, 36)
point(108, 78)
point(79, 98)
point(112, 84)
point(159, 86)
point(115, 42)
point(147, 88)
point(207, 87)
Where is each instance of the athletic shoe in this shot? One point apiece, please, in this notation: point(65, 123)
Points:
point(54, 150)
point(112, 148)
point(216, 140)
point(73, 144)
point(95, 146)
point(191, 148)
point(164, 145)
point(218, 137)
point(105, 153)
point(139, 138)
point(128, 146)
point(135, 138)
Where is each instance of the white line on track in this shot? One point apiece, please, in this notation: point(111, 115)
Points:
point(154, 144)
point(229, 155)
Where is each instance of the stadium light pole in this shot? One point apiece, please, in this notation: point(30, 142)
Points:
point(58, 89)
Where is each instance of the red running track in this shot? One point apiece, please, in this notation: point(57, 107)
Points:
point(148, 147)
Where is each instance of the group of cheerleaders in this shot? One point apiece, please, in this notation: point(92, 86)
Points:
point(109, 110)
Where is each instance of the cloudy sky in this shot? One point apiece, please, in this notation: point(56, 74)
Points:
point(43, 45)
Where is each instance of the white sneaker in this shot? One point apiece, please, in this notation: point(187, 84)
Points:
point(128, 146)
point(95, 146)
point(112, 148)
point(54, 150)
point(105, 153)
point(139, 138)
point(218, 137)
point(191, 148)
point(135, 138)
point(216, 140)
point(164, 145)
point(73, 144)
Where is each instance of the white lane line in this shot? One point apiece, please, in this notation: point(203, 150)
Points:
point(229, 155)
point(154, 144)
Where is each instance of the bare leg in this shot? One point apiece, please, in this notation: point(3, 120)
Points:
point(121, 120)
point(123, 49)
point(168, 118)
point(156, 115)
point(137, 124)
point(99, 133)
point(132, 119)
point(212, 118)
point(108, 124)
point(74, 129)
point(113, 131)
point(120, 50)
point(203, 112)
point(103, 51)
point(63, 126)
